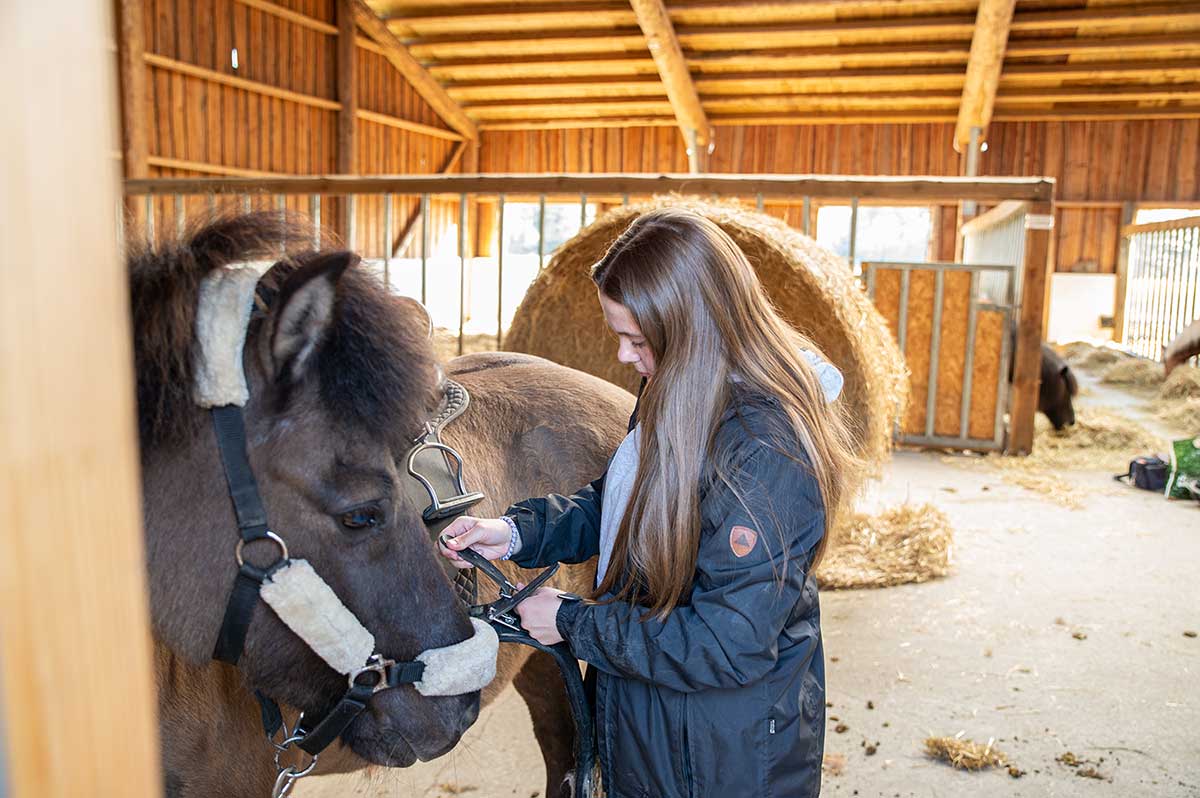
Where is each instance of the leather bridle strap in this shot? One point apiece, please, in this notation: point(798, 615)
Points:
point(230, 430)
point(318, 738)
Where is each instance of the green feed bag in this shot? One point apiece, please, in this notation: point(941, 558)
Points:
point(1184, 482)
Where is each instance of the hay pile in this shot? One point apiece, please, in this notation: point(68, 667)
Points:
point(965, 754)
point(1182, 414)
point(1134, 372)
point(1100, 441)
point(1183, 383)
point(908, 543)
point(814, 289)
point(1088, 357)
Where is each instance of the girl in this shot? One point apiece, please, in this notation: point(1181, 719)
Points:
point(704, 626)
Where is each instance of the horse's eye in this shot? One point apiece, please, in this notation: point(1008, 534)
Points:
point(367, 517)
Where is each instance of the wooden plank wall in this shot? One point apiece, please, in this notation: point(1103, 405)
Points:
point(198, 126)
point(1099, 165)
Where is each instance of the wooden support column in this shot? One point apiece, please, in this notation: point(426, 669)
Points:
point(347, 89)
point(984, 64)
point(1127, 214)
point(77, 685)
point(1036, 271)
point(135, 119)
point(676, 78)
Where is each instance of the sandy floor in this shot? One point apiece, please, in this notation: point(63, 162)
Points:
point(1059, 631)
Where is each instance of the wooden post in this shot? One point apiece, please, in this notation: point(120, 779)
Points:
point(347, 89)
point(75, 655)
point(1036, 270)
point(1127, 214)
point(135, 119)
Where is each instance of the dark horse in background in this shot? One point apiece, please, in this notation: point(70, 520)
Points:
point(342, 376)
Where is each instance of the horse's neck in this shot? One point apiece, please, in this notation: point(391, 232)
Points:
point(213, 742)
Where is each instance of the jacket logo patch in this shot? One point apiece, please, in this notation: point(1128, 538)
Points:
point(742, 540)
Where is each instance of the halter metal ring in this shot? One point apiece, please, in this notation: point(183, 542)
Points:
point(376, 664)
point(283, 549)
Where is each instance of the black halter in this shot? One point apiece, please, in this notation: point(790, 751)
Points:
point(376, 674)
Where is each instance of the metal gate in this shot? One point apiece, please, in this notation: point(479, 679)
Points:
point(954, 324)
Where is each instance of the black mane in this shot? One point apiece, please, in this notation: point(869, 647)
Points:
point(376, 367)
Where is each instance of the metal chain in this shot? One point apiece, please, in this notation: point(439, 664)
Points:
point(286, 776)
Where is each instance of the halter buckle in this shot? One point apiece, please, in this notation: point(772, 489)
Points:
point(378, 665)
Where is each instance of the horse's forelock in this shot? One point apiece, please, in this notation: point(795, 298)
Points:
point(164, 285)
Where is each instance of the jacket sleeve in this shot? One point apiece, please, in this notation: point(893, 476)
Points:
point(751, 570)
point(558, 528)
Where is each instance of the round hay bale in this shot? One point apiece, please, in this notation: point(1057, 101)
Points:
point(813, 289)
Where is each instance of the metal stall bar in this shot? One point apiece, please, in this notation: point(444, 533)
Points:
point(935, 343)
point(246, 204)
point(964, 419)
point(541, 232)
point(281, 206)
point(314, 210)
point(150, 218)
point(500, 277)
point(179, 217)
point(902, 320)
point(424, 249)
point(806, 214)
point(758, 202)
point(351, 222)
point(582, 211)
point(854, 231)
point(387, 241)
point(462, 268)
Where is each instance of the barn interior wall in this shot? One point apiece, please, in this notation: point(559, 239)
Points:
point(198, 126)
point(1098, 165)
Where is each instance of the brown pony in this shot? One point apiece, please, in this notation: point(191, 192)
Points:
point(341, 378)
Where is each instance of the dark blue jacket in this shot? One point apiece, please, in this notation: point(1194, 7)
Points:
point(726, 696)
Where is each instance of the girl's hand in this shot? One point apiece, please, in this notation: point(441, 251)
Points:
point(538, 613)
point(488, 536)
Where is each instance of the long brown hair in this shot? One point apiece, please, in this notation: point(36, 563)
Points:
point(706, 318)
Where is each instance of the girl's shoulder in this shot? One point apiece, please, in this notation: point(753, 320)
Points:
point(756, 428)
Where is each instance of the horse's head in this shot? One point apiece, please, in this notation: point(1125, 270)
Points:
point(339, 382)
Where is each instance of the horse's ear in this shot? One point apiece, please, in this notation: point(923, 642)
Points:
point(304, 313)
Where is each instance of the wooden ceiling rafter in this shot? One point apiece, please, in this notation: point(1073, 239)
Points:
point(992, 24)
point(421, 81)
point(676, 78)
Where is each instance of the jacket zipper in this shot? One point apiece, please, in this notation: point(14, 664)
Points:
point(687, 752)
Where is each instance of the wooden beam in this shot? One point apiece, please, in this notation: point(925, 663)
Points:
point(511, 44)
point(930, 189)
point(135, 117)
point(422, 81)
point(77, 685)
point(255, 86)
point(550, 109)
point(988, 42)
point(303, 20)
point(1036, 270)
point(1157, 45)
point(409, 125)
point(347, 89)
point(677, 79)
point(207, 168)
point(543, 66)
point(576, 124)
point(469, 19)
point(347, 123)
point(1104, 94)
point(1128, 211)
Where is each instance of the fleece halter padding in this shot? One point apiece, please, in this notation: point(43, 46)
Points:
point(310, 608)
point(222, 315)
